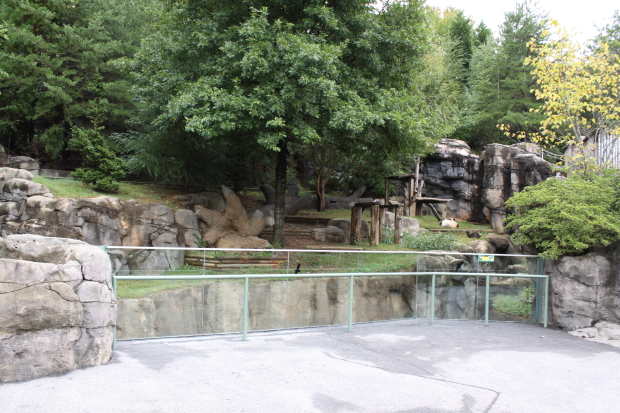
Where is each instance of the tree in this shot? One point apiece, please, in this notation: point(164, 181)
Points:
point(565, 217)
point(610, 34)
point(282, 73)
point(580, 90)
point(101, 166)
point(500, 83)
point(53, 51)
point(462, 32)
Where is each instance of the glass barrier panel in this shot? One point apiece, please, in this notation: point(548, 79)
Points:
point(386, 262)
point(511, 298)
point(379, 298)
point(148, 308)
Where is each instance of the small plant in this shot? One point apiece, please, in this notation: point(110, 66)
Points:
point(429, 241)
point(200, 242)
point(519, 305)
point(388, 238)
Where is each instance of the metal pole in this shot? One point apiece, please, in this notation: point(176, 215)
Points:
point(486, 303)
point(288, 261)
point(546, 302)
point(351, 287)
point(114, 332)
point(246, 293)
point(539, 295)
point(433, 299)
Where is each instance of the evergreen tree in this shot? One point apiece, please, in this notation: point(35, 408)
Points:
point(53, 51)
point(462, 32)
point(501, 84)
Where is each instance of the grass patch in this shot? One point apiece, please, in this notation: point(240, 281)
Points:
point(144, 193)
point(332, 213)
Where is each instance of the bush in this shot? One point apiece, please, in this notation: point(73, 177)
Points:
point(429, 241)
point(101, 167)
point(518, 305)
point(564, 217)
point(389, 235)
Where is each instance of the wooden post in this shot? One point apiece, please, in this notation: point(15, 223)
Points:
point(387, 190)
point(408, 197)
point(444, 210)
point(398, 226)
point(356, 225)
point(375, 231)
point(381, 223)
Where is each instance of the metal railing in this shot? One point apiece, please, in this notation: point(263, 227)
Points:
point(541, 301)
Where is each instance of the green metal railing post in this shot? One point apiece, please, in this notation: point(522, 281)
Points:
point(545, 309)
point(433, 299)
point(486, 303)
point(539, 292)
point(351, 287)
point(114, 331)
point(246, 293)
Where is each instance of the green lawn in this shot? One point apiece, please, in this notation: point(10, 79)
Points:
point(68, 188)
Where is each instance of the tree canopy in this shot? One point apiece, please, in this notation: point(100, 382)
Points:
point(275, 73)
point(53, 51)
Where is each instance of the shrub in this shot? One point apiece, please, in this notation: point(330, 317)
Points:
point(518, 305)
point(389, 235)
point(564, 217)
point(429, 241)
point(101, 167)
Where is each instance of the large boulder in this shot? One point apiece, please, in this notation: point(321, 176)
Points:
point(585, 289)
point(330, 234)
point(508, 169)
point(345, 225)
point(232, 228)
point(57, 308)
point(453, 172)
point(480, 185)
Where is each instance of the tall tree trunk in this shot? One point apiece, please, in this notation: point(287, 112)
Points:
point(278, 214)
point(320, 192)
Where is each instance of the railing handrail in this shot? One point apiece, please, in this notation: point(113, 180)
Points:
point(190, 277)
point(247, 277)
point(433, 252)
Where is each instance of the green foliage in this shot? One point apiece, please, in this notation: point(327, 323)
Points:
point(201, 242)
point(565, 217)
point(519, 305)
point(462, 32)
point(427, 241)
point(500, 84)
point(389, 235)
point(101, 167)
point(55, 50)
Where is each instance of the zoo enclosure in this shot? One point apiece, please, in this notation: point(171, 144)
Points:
point(434, 288)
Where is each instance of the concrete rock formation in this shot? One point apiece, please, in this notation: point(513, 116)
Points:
point(480, 185)
point(310, 302)
point(232, 228)
point(57, 309)
point(585, 289)
point(18, 162)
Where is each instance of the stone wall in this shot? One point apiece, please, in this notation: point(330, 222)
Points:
point(27, 207)
point(57, 309)
point(480, 184)
point(585, 290)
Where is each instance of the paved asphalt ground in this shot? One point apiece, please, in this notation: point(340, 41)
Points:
point(399, 366)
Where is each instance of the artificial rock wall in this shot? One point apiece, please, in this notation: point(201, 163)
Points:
point(585, 290)
point(57, 308)
point(480, 184)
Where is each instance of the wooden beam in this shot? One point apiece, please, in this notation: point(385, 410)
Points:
point(398, 226)
point(356, 225)
point(375, 230)
point(387, 190)
point(434, 211)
